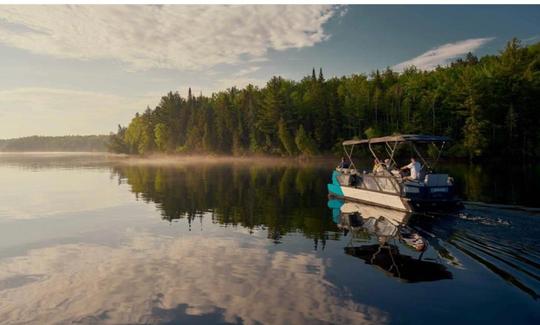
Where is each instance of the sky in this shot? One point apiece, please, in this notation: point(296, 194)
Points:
point(86, 69)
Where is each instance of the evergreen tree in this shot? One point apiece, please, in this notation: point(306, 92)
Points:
point(304, 143)
point(487, 105)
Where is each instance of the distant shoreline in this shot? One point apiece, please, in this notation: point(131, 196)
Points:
point(164, 159)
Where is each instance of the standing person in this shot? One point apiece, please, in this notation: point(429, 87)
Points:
point(414, 168)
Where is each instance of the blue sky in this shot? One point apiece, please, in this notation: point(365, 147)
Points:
point(84, 69)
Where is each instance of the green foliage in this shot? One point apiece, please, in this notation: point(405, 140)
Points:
point(305, 144)
point(116, 141)
point(162, 136)
point(371, 133)
point(486, 105)
point(286, 138)
point(475, 141)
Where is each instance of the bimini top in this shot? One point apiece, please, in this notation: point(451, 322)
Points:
point(399, 138)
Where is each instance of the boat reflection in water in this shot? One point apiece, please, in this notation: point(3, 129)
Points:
point(398, 250)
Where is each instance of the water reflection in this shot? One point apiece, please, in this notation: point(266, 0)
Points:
point(279, 200)
point(113, 243)
point(392, 236)
point(155, 278)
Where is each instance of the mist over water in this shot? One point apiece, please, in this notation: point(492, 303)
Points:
point(95, 239)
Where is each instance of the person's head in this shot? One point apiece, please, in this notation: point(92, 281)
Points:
point(413, 160)
point(342, 158)
point(387, 161)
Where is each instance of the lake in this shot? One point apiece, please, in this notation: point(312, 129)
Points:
point(85, 239)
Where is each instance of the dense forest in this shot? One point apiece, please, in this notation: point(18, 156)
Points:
point(487, 105)
point(61, 143)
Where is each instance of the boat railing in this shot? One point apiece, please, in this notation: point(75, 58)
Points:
point(382, 183)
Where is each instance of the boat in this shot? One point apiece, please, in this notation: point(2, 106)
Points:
point(387, 186)
point(381, 238)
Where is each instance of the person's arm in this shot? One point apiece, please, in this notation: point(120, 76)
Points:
point(407, 166)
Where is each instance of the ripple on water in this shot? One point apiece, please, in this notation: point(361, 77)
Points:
point(503, 242)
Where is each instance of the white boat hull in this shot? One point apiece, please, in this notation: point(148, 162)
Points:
point(382, 199)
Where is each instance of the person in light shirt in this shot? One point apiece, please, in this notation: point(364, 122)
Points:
point(414, 168)
point(388, 164)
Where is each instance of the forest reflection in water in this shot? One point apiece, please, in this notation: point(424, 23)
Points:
point(283, 199)
point(277, 199)
point(113, 242)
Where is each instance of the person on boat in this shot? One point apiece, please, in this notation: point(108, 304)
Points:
point(388, 164)
point(414, 168)
point(378, 167)
point(343, 163)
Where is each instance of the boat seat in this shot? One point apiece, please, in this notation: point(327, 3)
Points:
point(436, 180)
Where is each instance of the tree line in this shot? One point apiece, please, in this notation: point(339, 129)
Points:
point(487, 105)
point(95, 143)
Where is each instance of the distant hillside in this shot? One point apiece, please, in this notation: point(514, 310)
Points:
point(60, 143)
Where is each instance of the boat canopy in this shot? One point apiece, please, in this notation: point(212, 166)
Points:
point(391, 142)
point(399, 139)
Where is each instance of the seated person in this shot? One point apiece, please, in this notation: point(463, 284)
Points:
point(378, 167)
point(388, 164)
point(391, 168)
point(414, 167)
point(343, 163)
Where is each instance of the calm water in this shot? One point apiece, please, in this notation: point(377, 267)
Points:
point(85, 240)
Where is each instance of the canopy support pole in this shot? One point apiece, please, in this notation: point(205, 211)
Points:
point(372, 152)
point(439, 154)
point(422, 158)
point(349, 155)
point(391, 151)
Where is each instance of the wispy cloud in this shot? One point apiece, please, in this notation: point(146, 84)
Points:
point(443, 54)
point(246, 71)
point(175, 37)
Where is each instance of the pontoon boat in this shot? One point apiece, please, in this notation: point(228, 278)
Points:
point(389, 187)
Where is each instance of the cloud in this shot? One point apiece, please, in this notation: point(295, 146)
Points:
point(173, 37)
point(246, 71)
point(52, 111)
point(443, 54)
point(145, 279)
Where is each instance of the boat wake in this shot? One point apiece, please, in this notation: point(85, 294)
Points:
point(503, 241)
point(483, 220)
